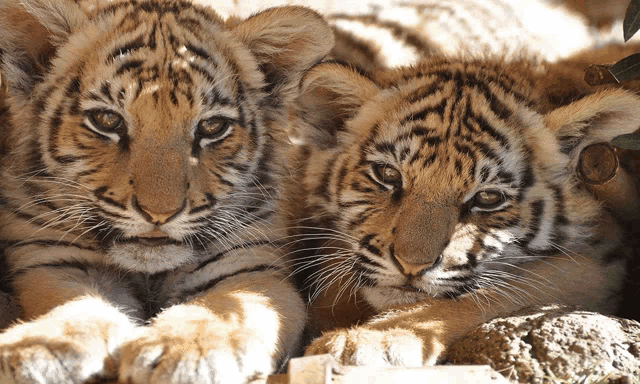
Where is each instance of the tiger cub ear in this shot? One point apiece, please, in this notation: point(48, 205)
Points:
point(330, 94)
point(286, 41)
point(598, 117)
point(29, 32)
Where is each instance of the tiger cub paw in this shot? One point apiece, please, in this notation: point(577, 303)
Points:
point(60, 348)
point(191, 349)
point(38, 359)
point(364, 346)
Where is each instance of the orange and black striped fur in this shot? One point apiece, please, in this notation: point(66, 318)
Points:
point(435, 197)
point(140, 190)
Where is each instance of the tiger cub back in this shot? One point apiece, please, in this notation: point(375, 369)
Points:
point(140, 188)
point(437, 196)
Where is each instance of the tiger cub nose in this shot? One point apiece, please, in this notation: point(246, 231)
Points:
point(411, 269)
point(157, 218)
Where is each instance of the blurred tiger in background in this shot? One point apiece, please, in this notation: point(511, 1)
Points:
point(431, 198)
point(140, 188)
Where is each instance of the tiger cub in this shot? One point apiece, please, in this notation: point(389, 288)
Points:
point(140, 191)
point(435, 197)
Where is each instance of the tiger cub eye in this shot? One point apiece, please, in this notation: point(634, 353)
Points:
point(213, 128)
point(387, 174)
point(106, 121)
point(488, 199)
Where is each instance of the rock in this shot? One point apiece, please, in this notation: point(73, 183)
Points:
point(546, 344)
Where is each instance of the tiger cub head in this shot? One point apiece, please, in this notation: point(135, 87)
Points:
point(148, 126)
point(446, 177)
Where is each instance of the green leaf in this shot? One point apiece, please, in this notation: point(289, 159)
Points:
point(627, 141)
point(631, 22)
point(627, 68)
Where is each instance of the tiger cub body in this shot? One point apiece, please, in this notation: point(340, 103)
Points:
point(432, 198)
point(140, 189)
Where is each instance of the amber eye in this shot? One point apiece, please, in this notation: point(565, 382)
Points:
point(213, 128)
point(387, 174)
point(106, 121)
point(488, 199)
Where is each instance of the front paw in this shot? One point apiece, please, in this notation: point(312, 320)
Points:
point(364, 346)
point(72, 344)
point(197, 349)
point(42, 360)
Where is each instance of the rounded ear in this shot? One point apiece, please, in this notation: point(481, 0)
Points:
point(59, 17)
point(285, 41)
point(598, 117)
point(330, 94)
point(29, 32)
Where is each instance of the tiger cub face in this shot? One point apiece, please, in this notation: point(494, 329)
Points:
point(449, 177)
point(148, 127)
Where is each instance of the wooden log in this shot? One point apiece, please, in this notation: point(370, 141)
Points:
point(323, 369)
point(599, 168)
point(598, 74)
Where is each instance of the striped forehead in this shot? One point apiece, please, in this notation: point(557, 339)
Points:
point(163, 55)
point(452, 123)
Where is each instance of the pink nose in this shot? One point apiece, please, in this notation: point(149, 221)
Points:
point(157, 218)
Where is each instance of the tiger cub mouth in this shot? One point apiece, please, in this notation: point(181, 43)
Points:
point(153, 238)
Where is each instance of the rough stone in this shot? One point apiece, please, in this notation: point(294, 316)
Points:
point(555, 344)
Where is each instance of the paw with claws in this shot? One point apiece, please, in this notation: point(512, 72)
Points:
point(380, 347)
point(70, 345)
point(197, 349)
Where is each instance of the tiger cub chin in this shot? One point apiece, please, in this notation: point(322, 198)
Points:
point(435, 197)
point(139, 192)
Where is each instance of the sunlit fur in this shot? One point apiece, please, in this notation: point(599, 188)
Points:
point(423, 246)
point(152, 220)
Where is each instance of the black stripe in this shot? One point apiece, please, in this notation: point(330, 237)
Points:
point(484, 125)
point(527, 180)
point(68, 159)
point(365, 243)
point(381, 187)
point(421, 131)
point(353, 203)
point(432, 141)
point(83, 266)
point(99, 193)
point(429, 160)
point(537, 211)
point(47, 243)
point(74, 87)
point(198, 51)
point(323, 188)
point(437, 109)
point(458, 167)
point(219, 255)
point(213, 282)
point(356, 186)
point(365, 261)
point(361, 218)
point(129, 66)
point(560, 219)
point(484, 172)
point(386, 147)
point(127, 48)
point(54, 127)
point(505, 177)
point(465, 150)
point(223, 180)
point(424, 92)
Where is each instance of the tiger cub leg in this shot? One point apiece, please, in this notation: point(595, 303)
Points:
point(243, 328)
point(75, 331)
